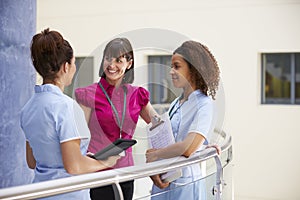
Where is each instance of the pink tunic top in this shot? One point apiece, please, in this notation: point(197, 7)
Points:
point(103, 124)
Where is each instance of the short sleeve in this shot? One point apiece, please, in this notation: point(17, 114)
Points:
point(143, 96)
point(202, 121)
point(86, 96)
point(66, 126)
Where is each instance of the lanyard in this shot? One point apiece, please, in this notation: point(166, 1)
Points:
point(171, 114)
point(120, 123)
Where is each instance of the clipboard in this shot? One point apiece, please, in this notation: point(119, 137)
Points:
point(158, 121)
point(115, 148)
point(160, 135)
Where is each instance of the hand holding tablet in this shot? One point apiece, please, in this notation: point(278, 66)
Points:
point(115, 148)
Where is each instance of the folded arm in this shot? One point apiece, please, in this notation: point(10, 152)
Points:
point(185, 148)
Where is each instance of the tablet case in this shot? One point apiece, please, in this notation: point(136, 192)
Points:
point(114, 148)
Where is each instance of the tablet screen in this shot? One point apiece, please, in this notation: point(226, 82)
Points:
point(114, 148)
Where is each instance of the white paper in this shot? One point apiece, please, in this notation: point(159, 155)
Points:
point(162, 136)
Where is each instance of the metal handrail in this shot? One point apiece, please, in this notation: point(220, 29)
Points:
point(115, 176)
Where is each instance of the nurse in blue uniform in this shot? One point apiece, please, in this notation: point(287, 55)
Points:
point(195, 70)
point(55, 128)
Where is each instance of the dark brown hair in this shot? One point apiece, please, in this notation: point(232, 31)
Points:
point(119, 47)
point(203, 66)
point(49, 50)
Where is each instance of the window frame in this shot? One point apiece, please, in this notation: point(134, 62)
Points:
point(279, 101)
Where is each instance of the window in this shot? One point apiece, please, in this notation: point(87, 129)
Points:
point(297, 75)
point(84, 74)
point(281, 78)
point(160, 84)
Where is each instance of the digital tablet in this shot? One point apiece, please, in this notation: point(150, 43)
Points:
point(114, 148)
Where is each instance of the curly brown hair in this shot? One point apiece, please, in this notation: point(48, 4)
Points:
point(203, 66)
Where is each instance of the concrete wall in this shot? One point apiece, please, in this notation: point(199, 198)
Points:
point(17, 78)
point(265, 137)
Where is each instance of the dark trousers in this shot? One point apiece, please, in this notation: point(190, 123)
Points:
point(108, 192)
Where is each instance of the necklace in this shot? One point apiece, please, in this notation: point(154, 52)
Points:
point(120, 122)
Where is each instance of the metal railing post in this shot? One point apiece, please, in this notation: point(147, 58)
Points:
point(217, 189)
point(118, 191)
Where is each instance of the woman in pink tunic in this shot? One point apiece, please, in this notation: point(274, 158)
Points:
point(112, 108)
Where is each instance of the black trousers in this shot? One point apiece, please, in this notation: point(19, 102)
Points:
point(107, 192)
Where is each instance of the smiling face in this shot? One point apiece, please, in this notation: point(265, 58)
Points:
point(180, 72)
point(114, 69)
point(117, 65)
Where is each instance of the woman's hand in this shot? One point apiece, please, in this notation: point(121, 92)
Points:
point(150, 157)
point(158, 182)
point(110, 161)
point(218, 149)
